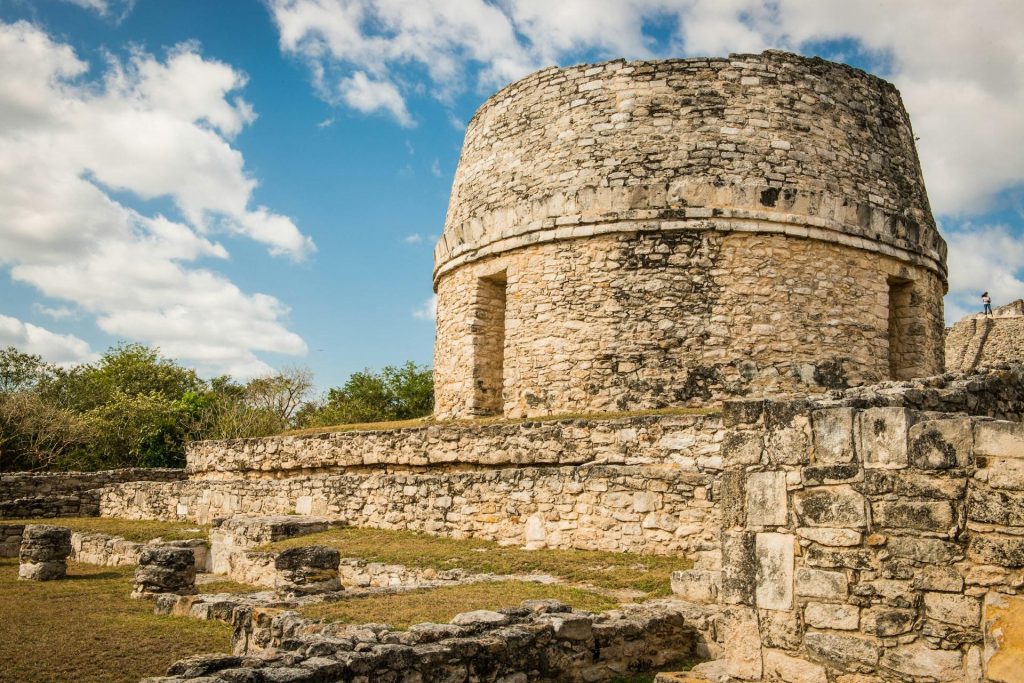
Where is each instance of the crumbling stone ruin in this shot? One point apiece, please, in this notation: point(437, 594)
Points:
point(983, 340)
point(43, 555)
point(747, 240)
point(634, 235)
point(165, 569)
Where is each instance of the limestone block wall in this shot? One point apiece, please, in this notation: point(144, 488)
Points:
point(67, 494)
point(635, 508)
point(982, 340)
point(637, 440)
point(882, 542)
point(684, 230)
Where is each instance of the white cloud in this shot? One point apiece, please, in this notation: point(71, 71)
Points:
point(149, 128)
point(62, 349)
point(983, 258)
point(55, 312)
point(428, 311)
point(369, 97)
point(414, 238)
point(958, 64)
point(435, 168)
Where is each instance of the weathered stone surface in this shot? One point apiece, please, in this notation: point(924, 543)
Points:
point(917, 659)
point(885, 622)
point(307, 569)
point(830, 506)
point(165, 569)
point(999, 439)
point(848, 653)
point(929, 515)
point(766, 499)
point(1004, 637)
point(43, 553)
point(929, 550)
point(818, 583)
point(960, 610)
point(882, 437)
point(833, 435)
point(697, 585)
point(832, 616)
point(792, 669)
point(742, 640)
point(739, 568)
point(480, 618)
point(1004, 551)
point(742, 447)
point(941, 444)
point(831, 537)
point(774, 589)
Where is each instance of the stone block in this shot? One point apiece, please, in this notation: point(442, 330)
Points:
point(937, 515)
point(821, 584)
point(766, 503)
point(830, 506)
point(840, 617)
point(848, 653)
point(780, 629)
point(732, 499)
point(774, 588)
point(999, 439)
point(742, 448)
point(927, 550)
point(920, 661)
point(886, 622)
point(842, 473)
point(781, 666)
point(165, 569)
point(742, 411)
point(882, 437)
point(43, 553)
point(306, 570)
point(950, 608)
point(941, 444)
point(940, 578)
point(699, 586)
point(742, 638)
point(992, 506)
point(1003, 551)
point(1004, 638)
point(739, 568)
point(830, 536)
point(833, 435)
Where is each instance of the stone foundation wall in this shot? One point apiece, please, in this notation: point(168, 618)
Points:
point(461, 445)
point(67, 494)
point(643, 508)
point(981, 340)
point(882, 542)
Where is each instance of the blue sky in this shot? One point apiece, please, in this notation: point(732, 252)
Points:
point(255, 184)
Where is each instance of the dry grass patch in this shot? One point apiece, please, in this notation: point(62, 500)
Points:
point(439, 605)
point(646, 573)
point(430, 422)
point(227, 586)
point(132, 529)
point(86, 629)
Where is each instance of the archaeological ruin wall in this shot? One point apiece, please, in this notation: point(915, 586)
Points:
point(979, 340)
point(67, 494)
point(634, 235)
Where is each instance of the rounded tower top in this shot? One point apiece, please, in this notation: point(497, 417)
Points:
point(772, 142)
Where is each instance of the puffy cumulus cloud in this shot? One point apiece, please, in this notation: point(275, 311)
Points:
point(62, 349)
point(958, 64)
point(359, 92)
point(149, 128)
point(982, 258)
point(428, 311)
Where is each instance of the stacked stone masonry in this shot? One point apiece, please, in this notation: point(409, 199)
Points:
point(669, 233)
point(539, 641)
point(985, 340)
point(67, 494)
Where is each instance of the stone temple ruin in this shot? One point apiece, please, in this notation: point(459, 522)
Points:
point(748, 237)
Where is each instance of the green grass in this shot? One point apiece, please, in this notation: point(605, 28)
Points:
point(401, 610)
point(646, 573)
point(86, 629)
point(133, 530)
point(430, 422)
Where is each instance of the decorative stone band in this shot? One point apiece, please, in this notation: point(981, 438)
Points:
point(819, 228)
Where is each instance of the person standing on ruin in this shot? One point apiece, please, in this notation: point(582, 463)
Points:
point(987, 300)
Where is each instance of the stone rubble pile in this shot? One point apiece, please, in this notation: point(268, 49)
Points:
point(165, 569)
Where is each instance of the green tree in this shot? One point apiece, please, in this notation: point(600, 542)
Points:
point(22, 371)
point(395, 393)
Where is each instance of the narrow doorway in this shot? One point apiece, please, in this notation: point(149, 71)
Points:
point(489, 345)
point(901, 320)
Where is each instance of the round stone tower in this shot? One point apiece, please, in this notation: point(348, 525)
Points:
point(634, 235)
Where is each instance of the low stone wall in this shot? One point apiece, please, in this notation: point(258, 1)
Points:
point(67, 494)
point(539, 641)
point(627, 441)
point(653, 508)
point(881, 542)
point(102, 549)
